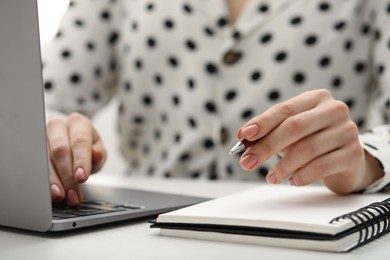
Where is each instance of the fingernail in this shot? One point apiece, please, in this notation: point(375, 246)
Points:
point(55, 191)
point(72, 198)
point(249, 161)
point(271, 178)
point(250, 131)
point(80, 175)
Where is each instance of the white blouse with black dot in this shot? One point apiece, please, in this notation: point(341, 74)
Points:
point(186, 79)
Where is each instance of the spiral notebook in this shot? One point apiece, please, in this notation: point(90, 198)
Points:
point(310, 217)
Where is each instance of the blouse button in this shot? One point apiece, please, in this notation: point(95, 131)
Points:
point(231, 57)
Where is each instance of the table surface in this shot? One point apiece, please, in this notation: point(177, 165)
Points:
point(135, 240)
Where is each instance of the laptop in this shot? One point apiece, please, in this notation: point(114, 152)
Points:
point(25, 200)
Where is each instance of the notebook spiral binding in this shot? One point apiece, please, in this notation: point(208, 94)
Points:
point(372, 221)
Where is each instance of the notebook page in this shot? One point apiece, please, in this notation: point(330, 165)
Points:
point(309, 208)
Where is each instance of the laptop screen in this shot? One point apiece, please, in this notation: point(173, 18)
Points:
point(24, 182)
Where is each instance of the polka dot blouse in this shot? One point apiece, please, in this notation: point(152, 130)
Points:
point(186, 79)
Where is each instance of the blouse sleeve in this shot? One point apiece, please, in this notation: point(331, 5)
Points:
point(377, 140)
point(80, 63)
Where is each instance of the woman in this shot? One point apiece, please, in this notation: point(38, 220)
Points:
point(296, 75)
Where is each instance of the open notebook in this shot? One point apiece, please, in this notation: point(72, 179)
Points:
point(307, 217)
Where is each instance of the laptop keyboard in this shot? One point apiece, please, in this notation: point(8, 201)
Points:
point(88, 208)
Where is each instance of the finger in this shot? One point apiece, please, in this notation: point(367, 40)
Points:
point(304, 151)
point(264, 123)
point(80, 135)
point(287, 133)
point(60, 152)
point(56, 190)
point(99, 156)
point(326, 165)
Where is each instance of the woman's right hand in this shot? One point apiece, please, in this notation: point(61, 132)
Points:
point(75, 151)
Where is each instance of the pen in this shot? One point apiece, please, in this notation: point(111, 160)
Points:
point(241, 146)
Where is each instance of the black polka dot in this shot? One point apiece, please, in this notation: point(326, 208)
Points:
point(80, 101)
point(173, 62)
point(210, 107)
point(230, 169)
point(75, 78)
point(138, 119)
point(113, 65)
point(167, 174)
point(296, 20)
point(340, 25)
point(149, 7)
point(192, 122)
point(299, 78)
point(247, 113)
point(164, 117)
point(324, 61)
point(274, 95)
point(121, 108)
point(236, 35)
point(208, 144)
point(151, 42)
point(158, 79)
point(134, 26)
point(348, 45)
point(211, 68)
point(255, 75)
point(66, 54)
point(184, 157)
point(97, 72)
point(175, 100)
point(265, 38)
point(187, 8)
point(349, 102)
point(311, 40)
point(127, 86)
point(324, 6)
point(169, 24)
point(280, 56)
point(263, 8)
point(151, 170)
point(381, 69)
point(337, 82)
point(191, 83)
point(190, 44)
point(177, 138)
point(208, 31)
point(222, 22)
point(377, 34)
point(147, 100)
point(360, 67)
point(138, 64)
point(79, 22)
point(365, 29)
point(105, 15)
point(90, 45)
point(231, 95)
point(59, 34)
point(96, 96)
point(195, 174)
point(113, 38)
point(48, 85)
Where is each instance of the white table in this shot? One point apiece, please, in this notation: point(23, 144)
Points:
point(135, 240)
